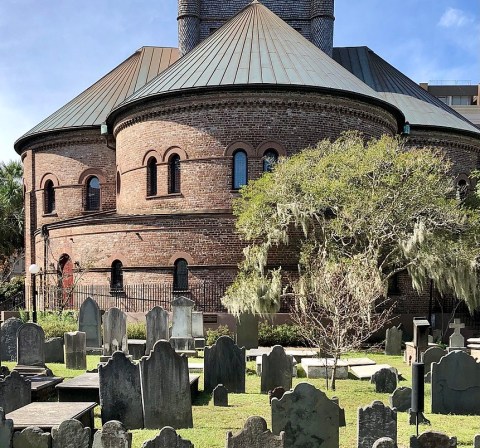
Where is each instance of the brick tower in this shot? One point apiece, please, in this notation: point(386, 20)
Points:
point(322, 24)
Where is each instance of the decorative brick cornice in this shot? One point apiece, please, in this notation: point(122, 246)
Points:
point(440, 138)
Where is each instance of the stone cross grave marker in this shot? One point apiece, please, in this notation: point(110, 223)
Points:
point(167, 438)
point(15, 392)
point(393, 341)
point(157, 327)
point(456, 339)
point(90, 322)
point(70, 434)
point(277, 369)
point(375, 421)
point(114, 332)
point(112, 435)
point(182, 338)
point(255, 435)
point(31, 345)
point(6, 430)
point(8, 339)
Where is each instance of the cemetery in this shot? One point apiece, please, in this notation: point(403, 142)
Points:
point(181, 393)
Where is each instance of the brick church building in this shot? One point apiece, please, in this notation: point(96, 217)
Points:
point(129, 186)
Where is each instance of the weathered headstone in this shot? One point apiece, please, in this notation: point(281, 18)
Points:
point(197, 329)
point(401, 399)
point(120, 391)
point(15, 392)
point(476, 441)
point(246, 334)
point(276, 370)
point(275, 393)
point(433, 354)
point(114, 332)
point(433, 439)
point(70, 434)
point(90, 322)
point(167, 438)
point(308, 417)
point(393, 341)
point(220, 396)
point(32, 437)
point(375, 421)
point(6, 430)
point(255, 435)
point(31, 345)
point(54, 350)
point(166, 388)
point(456, 385)
point(75, 350)
point(385, 380)
point(456, 339)
point(224, 363)
point(384, 442)
point(157, 327)
point(182, 338)
point(8, 339)
point(112, 435)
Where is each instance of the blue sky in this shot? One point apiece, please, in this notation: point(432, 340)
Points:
point(52, 50)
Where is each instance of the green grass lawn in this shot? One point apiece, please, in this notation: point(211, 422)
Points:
point(211, 423)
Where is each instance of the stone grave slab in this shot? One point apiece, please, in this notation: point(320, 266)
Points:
point(297, 353)
point(258, 363)
point(8, 339)
point(15, 392)
point(137, 348)
point(43, 387)
point(71, 434)
point(220, 396)
point(31, 437)
point(375, 421)
point(90, 322)
point(195, 367)
point(366, 372)
point(31, 350)
point(401, 399)
point(393, 341)
point(54, 350)
point(431, 355)
point(385, 380)
point(84, 387)
point(315, 368)
point(114, 332)
point(157, 327)
point(167, 438)
point(6, 431)
point(277, 369)
point(112, 435)
point(75, 350)
point(197, 330)
point(433, 439)
point(182, 339)
point(352, 362)
point(246, 333)
point(255, 435)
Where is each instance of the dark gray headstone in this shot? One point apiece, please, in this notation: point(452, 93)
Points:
point(375, 421)
point(182, 339)
point(433, 439)
point(114, 332)
point(277, 369)
point(157, 327)
point(220, 396)
point(431, 355)
point(246, 334)
point(112, 435)
point(15, 392)
point(385, 380)
point(8, 339)
point(31, 345)
point(393, 341)
point(308, 417)
point(401, 399)
point(120, 391)
point(75, 350)
point(32, 437)
point(90, 322)
point(255, 435)
point(70, 434)
point(476, 441)
point(456, 385)
point(167, 438)
point(166, 388)
point(6, 430)
point(54, 350)
point(224, 363)
point(385, 442)
point(275, 393)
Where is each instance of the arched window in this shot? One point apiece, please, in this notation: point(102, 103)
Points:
point(180, 275)
point(240, 161)
point(65, 280)
point(93, 194)
point(152, 176)
point(49, 197)
point(119, 181)
point(174, 174)
point(270, 158)
point(116, 278)
point(462, 189)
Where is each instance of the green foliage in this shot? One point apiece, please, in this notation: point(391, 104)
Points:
point(136, 330)
point(11, 288)
point(56, 324)
point(214, 334)
point(287, 335)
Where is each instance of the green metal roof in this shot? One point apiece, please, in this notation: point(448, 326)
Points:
point(92, 106)
point(256, 47)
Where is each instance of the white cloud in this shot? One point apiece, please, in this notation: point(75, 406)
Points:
point(454, 18)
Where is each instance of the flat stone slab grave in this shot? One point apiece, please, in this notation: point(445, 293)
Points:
point(297, 353)
point(86, 388)
point(195, 367)
point(43, 387)
point(366, 372)
point(315, 368)
point(46, 415)
point(351, 362)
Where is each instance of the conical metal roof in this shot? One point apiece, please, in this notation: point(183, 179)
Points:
point(256, 47)
point(92, 106)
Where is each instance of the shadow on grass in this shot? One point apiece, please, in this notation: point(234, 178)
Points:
point(202, 399)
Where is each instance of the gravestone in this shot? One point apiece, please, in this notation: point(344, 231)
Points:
point(375, 421)
point(167, 438)
point(456, 385)
point(90, 322)
point(401, 399)
point(8, 339)
point(157, 327)
point(31, 345)
point(433, 439)
point(277, 369)
point(120, 391)
point(70, 434)
point(393, 341)
point(220, 396)
point(275, 393)
point(75, 350)
point(165, 388)
point(384, 442)
point(255, 435)
point(6, 430)
point(32, 437)
point(414, 349)
point(54, 350)
point(433, 354)
point(246, 334)
point(114, 332)
point(385, 380)
point(224, 363)
point(476, 441)
point(308, 417)
point(15, 392)
point(182, 338)
point(112, 435)
point(456, 340)
point(197, 330)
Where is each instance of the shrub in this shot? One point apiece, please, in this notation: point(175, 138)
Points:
point(214, 334)
point(287, 335)
point(55, 324)
point(136, 330)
